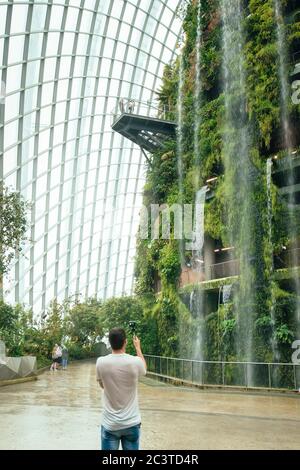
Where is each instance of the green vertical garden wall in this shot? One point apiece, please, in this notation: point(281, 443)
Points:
point(273, 302)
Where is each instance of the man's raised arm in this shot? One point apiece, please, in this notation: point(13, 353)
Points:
point(137, 345)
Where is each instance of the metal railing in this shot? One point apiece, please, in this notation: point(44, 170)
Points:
point(242, 374)
point(225, 269)
point(288, 259)
point(142, 108)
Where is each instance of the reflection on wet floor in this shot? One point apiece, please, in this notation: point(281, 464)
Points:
point(61, 410)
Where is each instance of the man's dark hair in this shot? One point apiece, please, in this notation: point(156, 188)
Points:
point(117, 337)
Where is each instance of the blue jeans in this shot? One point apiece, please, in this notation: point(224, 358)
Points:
point(129, 437)
point(65, 363)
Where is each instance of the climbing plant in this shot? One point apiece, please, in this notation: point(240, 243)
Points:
point(160, 259)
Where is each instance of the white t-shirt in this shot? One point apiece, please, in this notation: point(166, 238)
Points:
point(119, 374)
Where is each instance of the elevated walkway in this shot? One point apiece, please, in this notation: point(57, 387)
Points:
point(286, 273)
point(286, 176)
point(146, 125)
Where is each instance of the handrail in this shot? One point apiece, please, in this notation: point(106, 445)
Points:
point(224, 269)
point(248, 375)
point(224, 362)
point(229, 261)
point(139, 107)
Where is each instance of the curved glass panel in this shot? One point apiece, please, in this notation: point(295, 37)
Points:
point(64, 65)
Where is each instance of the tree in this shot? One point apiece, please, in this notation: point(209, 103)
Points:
point(53, 326)
point(13, 225)
point(118, 312)
point(83, 323)
point(13, 327)
point(8, 325)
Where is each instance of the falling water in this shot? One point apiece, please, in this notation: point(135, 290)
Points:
point(191, 306)
point(198, 238)
point(269, 194)
point(197, 96)
point(274, 344)
point(180, 127)
point(283, 76)
point(198, 235)
point(198, 300)
point(239, 173)
point(285, 97)
point(180, 145)
point(226, 293)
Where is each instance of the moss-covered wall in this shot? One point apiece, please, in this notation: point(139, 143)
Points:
point(160, 258)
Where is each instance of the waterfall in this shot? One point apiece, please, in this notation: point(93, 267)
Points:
point(283, 77)
point(269, 195)
point(180, 146)
point(288, 142)
point(197, 349)
point(180, 127)
point(226, 292)
point(239, 172)
point(191, 306)
point(198, 300)
point(197, 96)
point(198, 232)
point(274, 344)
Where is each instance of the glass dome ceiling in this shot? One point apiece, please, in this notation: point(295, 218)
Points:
point(64, 66)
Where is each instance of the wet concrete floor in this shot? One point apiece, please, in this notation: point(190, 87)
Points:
point(62, 411)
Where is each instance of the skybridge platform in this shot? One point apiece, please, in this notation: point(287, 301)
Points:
point(146, 125)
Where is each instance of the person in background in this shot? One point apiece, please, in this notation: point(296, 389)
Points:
point(118, 375)
point(59, 356)
point(131, 106)
point(54, 358)
point(65, 357)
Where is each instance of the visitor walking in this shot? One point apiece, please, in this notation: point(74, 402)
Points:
point(131, 106)
point(59, 356)
point(55, 356)
point(118, 375)
point(65, 357)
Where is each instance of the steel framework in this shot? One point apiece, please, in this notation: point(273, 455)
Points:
point(64, 66)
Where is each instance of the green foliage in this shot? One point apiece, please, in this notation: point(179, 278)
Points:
point(13, 225)
point(169, 264)
point(145, 268)
point(210, 138)
point(284, 335)
point(118, 312)
point(79, 326)
point(261, 60)
point(228, 326)
point(166, 314)
point(167, 93)
point(53, 325)
point(225, 213)
point(264, 325)
point(226, 329)
point(162, 175)
point(214, 215)
point(83, 325)
point(8, 317)
point(9, 327)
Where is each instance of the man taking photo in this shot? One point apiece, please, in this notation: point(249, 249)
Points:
point(118, 375)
